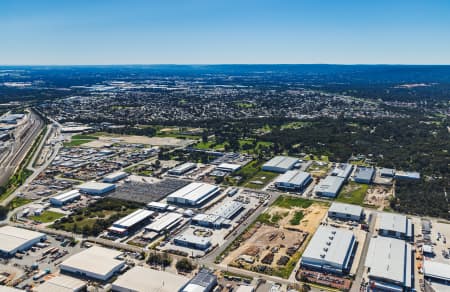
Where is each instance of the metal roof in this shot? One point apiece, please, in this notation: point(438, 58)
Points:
point(330, 246)
point(149, 280)
point(67, 195)
point(331, 184)
point(342, 208)
point(133, 218)
point(61, 283)
point(92, 185)
point(229, 166)
point(364, 173)
point(389, 259)
point(183, 167)
point(13, 237)
point(164, 222)
point(194, 192)
point(227, 210)
point(395, 222)
point(96, 259)
point(285, 162)
point(436, 270)
point(191, 238)
point(294, 177)
point(342, 170)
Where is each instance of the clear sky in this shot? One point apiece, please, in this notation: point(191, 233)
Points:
point(224, 31)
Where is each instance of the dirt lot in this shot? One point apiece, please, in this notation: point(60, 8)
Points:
point(378, 196)
point(154, 141)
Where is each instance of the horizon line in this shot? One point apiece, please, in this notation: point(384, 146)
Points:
point(223, 64)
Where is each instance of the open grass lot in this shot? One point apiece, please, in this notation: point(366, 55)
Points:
point(47, 216)
point(290, 202)
point(353, 193)
point(249, 146)
point(77, 140)
point(260, 179)
point(18, 202)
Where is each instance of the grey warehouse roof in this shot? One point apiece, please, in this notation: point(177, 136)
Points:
point(331, 184)
point(293, 177)
point(281, 162)
point(395, 222)
point(436, 270)
point(364, 173)
point(342, 208)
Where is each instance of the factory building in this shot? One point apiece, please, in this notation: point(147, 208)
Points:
point(97, 263)
point(228, 167)
point(389, 264)
point(164, 223)
point(204, 281)
point(436, 272)
point(387, 172)
point(62, 283)
point(330, 250)
point(192, 241)
point(220, 217)
point(13, 239)
point(364, 175)
point(343, 170)
point(130, 222)
point(11, 119)
point(407, 175)
point(194, 194)
point(182, 169)
point(280, 164)
point(114, 177)
point(346, 212)
point(139, 279)
point(396, 226)
point(96, 188)
point(293, 180)
point(329, 187)
point(157, 206)
point(65, 198)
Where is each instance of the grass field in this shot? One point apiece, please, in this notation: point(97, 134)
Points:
point(77, 140)
point(18, 202)
point(353, 193)
point(298, 216)
point(289, 202)
point(261, 176)
point(47, 216)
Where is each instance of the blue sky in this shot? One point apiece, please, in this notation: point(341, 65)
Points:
point(224, 31)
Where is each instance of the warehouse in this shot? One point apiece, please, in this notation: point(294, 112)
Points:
point(329, 187)
point(131, 222)
point(194, 194)
point(96, 188)
point(395, 225)
point(210, 221)
point(164, 223)
point(62, 283)
point(228, 167)
point(389, 264)
point(192, 241)
point(116, 176)
point(65, 198)
point(330, 250)
point(346, 212)
point(157, 206)
point(140, 279)
point(407, 175)
point(343, 170)
point(293, 180)
point(97, 263)
point(280, 164)
point(204, 281)
point(364, 175)
point(229, 210)
point(182, 169)
point(387, 172)
point(436, 272)
point(13, 239)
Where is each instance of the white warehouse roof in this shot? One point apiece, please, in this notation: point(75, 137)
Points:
point(436, 270)
point(115, 176)
point(294, 177)
point(97, 262)
point(330, 247)
point(342, 208)
point(133, 218)
point(280, 162)
point(164, 222)
point(149, 280)
point(61, 283)
point(330, 185)
point(396, 223)
point(13, 238)
point(67, 196)
point(389, 259)
point(194, 193)
point(95, 186)
point(231, 167)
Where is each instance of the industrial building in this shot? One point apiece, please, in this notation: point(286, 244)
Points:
point(62, 283)
point(96, 188)
point(387, 172)
point(130, 222)
point(114, 177)
point(293, 180)
point(228, 167)
point(407, 175)
point(220, 217)
point(389, 264)
point(204, 281)
point(343, 170)
point(280, 164)
point(329, 187)
point(140, 279)
point(65, 198)
point(11, 119)
point(157, 206)
point(436, 272)
point(13, 239)
point(164, 223)
point(364, 175)
point(346, 212)
point(192, 241)
point(96, 263)
point(395, 225)
point(182, 169)
point(194, 194)
point(330, 250)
